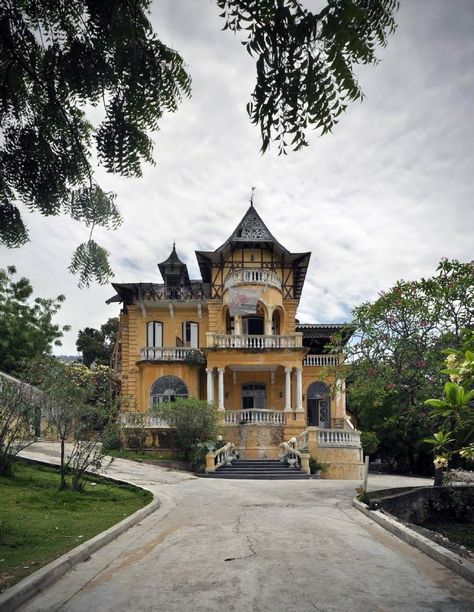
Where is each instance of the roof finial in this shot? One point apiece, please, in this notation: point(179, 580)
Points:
point(174, 244)
point(251, 197)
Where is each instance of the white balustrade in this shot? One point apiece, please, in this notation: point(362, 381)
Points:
point(254, 416)
point(178, 353)
point(339, 437)
point(227, 341)
point(142, 419)
point(223, 455)
point(253, 276)
point(321, 360)
point(302, 440)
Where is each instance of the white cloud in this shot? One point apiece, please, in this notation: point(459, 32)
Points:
point(384, 197)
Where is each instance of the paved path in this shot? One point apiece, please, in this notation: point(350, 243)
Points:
point(217, 545)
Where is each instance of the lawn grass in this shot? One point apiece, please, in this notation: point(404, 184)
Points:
point(38, 522)
point(461, 533)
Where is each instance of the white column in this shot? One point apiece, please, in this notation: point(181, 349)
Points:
point(299, 390)
point(210, 385)
point(288, 389)
point(237, 325)
point(220, 389)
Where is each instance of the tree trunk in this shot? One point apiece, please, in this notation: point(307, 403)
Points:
point(438, 478)
point(63, 474)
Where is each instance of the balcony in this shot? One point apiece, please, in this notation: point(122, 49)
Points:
point(255, 416)
point(231, 341)
point(252, 276)
point(321, 360)
point(177, 353)
point(142, 419)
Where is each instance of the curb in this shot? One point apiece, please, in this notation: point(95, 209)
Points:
point(449, 559)
point(36, 582)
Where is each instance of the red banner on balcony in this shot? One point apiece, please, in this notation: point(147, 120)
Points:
point(243, 301)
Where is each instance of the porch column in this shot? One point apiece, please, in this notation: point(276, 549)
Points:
point(288, 389)
point(220, 389)
point(210, 385)
point(237, 325)
point(299, 390)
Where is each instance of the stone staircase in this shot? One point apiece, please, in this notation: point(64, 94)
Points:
point(258, 469)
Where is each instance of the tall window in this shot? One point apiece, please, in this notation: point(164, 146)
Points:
point(154, 334)
point(191, 334)
point(276, 323)
point(168, 389)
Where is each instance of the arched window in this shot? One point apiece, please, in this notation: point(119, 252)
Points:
point(319, 405)
point(253, 395)
point(154, 334)
point(276, 323)
point(168, 389)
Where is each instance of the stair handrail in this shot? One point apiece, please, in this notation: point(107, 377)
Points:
point(219, 457)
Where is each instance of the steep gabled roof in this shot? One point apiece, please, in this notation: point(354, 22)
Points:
point(251, 231)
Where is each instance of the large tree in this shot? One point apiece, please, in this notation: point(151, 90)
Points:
point(394, 360)
point(97, 345)
point(27, 329)
point(57, 59)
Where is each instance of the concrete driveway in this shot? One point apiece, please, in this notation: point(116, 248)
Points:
point(253, 546)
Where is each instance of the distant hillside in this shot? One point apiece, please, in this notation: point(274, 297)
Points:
point(69, 358)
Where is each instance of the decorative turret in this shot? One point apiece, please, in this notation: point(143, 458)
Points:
point(174, 271)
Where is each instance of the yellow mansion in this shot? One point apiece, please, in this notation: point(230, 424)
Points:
point(232, 338)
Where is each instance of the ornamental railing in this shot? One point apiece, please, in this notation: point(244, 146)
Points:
point(321, 360)
point(338, 438)
point(252, 276)
point(142, 419)
point(174, 293)
point(229, 341)
point(254, 416)
point(178, 353)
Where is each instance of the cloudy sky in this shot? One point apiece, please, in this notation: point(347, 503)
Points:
point(384, 197)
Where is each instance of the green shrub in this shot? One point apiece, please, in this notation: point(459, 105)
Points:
point(369, 441)
point(316, 466)
point(111, 438)
point(193, 420)
point(135, 438)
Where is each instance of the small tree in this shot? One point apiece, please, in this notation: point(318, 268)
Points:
point(18, 403)
point(369, 441)
point(193, 420)
point(453, 415)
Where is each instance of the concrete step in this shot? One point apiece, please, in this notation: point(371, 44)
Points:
point(257, 469)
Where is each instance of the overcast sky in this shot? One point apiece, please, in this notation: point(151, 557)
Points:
point(383, 198)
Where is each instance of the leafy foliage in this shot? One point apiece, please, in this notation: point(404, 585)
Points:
point(393, 363)
point(454, 414)
point(369, 441)
point(59, 58)
point(305, 61)
point(18, 404)
point(55, 59)
point(27, 330)
point(193, 420)
point(96, 345)
point(69, 412)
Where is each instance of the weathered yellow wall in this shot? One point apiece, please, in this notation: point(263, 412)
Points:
point(148, 372)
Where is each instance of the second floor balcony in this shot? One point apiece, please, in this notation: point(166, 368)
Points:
point(176, 353)
point(232, 341)
point(253, 276)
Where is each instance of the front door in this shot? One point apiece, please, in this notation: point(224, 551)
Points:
point(319, 405)
point(253, 396)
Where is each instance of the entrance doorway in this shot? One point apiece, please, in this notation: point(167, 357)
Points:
point(319, 405)
point(253, 396)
